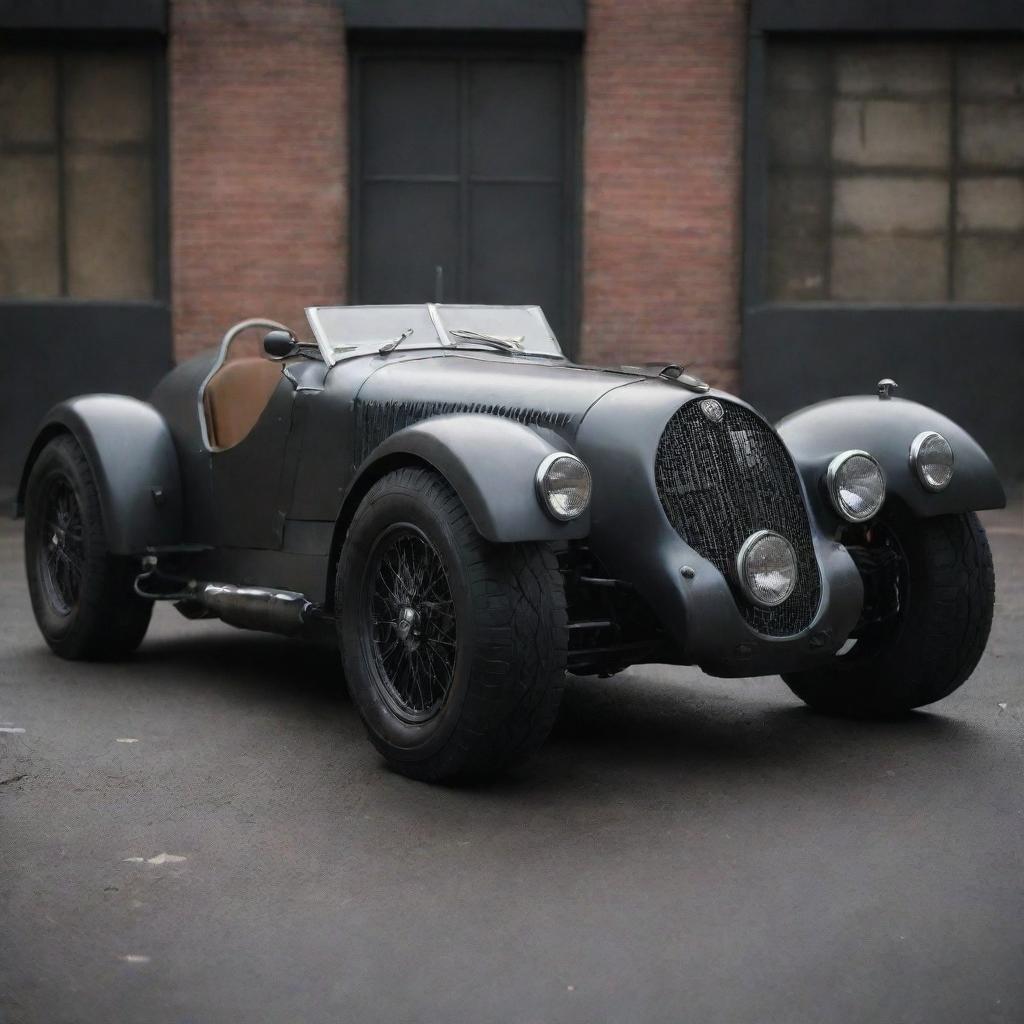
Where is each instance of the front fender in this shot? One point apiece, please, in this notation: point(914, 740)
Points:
point(491, 463)
point(134, 463)
point(817, 433)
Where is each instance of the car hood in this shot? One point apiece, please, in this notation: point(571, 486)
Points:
point(556, 394)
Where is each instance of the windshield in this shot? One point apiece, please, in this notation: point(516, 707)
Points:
point(341, 331)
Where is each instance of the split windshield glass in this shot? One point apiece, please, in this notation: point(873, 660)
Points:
point(343, 331)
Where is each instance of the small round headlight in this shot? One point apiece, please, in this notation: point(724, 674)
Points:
point(932, 459)
point(856, 485)
point(767, 570)
point(563, 486)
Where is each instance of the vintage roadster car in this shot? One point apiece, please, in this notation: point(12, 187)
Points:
point(470, 515)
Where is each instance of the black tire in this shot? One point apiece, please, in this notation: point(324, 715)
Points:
point(81, 594)
point(940, 633)
point(494, 694)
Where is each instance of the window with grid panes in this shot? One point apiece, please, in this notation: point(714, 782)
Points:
point(77, 173)
point(895, 171)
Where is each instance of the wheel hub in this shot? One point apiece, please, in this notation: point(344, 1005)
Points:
point(407, 624)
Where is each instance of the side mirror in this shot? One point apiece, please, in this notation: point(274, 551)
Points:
point(280, 344)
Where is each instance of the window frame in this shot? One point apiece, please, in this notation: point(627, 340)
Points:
point(60, 45)
point(829, 47)
point(855, 20)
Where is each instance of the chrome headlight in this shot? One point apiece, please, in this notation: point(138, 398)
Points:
point(932, 459)
point(767, 569)
point(563, 486)
point(856, 485)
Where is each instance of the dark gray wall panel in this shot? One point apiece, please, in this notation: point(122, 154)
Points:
point(886, 15)
point(514, 15)
point(66, 15)
point(966, 362)
point(49, 352)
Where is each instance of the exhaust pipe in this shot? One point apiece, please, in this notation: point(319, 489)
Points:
point(262, 608)
point(274, 611)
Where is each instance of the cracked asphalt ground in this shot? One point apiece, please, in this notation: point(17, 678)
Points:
point(683, 850)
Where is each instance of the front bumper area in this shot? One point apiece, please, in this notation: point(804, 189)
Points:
point(701, 613)
point(698, 609)
point(691, 597)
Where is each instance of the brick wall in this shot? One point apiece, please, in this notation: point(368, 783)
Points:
point(259, 172)
point(258, 162)
point(663, 83)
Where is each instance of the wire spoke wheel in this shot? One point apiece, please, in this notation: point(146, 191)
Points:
point(454, 647)
point(82, 593)
point(61, 552)
point(411, 624)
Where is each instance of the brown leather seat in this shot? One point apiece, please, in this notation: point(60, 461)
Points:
point(236, 397)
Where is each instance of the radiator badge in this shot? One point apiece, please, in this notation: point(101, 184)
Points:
point(712, 410)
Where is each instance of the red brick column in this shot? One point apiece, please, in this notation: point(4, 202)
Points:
point(258, 163)
point(663, 84)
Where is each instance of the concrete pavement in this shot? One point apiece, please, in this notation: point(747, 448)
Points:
point(683, 850)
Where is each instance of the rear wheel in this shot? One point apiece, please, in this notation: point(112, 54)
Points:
point(946, 594)
point(454, 648)
point(81, 594)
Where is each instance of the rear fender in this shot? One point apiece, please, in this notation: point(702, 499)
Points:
point(134, 462)
point(817, 433)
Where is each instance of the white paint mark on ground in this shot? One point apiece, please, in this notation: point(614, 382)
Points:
point(1001, 705)
point(10, 728)
point(125, 739)
point(135, 958)
point(166, 858)
point(160, 858)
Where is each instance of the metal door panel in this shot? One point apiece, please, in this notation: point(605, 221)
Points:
point(517, 232)
point(516, 119)
point(465, 159)
point(408, 229)
point(250, 491)
point(409, 110)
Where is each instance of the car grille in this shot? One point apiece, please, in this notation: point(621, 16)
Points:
point(719, 482)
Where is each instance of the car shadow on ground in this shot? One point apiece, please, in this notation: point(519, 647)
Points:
point(656, 720)
point(684, 727)
point(247, 664)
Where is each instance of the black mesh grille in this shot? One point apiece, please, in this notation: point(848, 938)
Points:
point(721, 482)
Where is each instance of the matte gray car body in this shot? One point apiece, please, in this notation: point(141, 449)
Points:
point(273, 510)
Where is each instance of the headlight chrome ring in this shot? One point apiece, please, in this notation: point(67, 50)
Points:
point(563, 486)
point(931, 458)
point(766, 568)
point(856, 485)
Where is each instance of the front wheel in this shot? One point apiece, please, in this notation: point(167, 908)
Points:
point(946, 588)
point(81, 594)
point(454, 648)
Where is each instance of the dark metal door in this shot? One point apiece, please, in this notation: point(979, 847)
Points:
point(251, 481)
point(464, 179)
